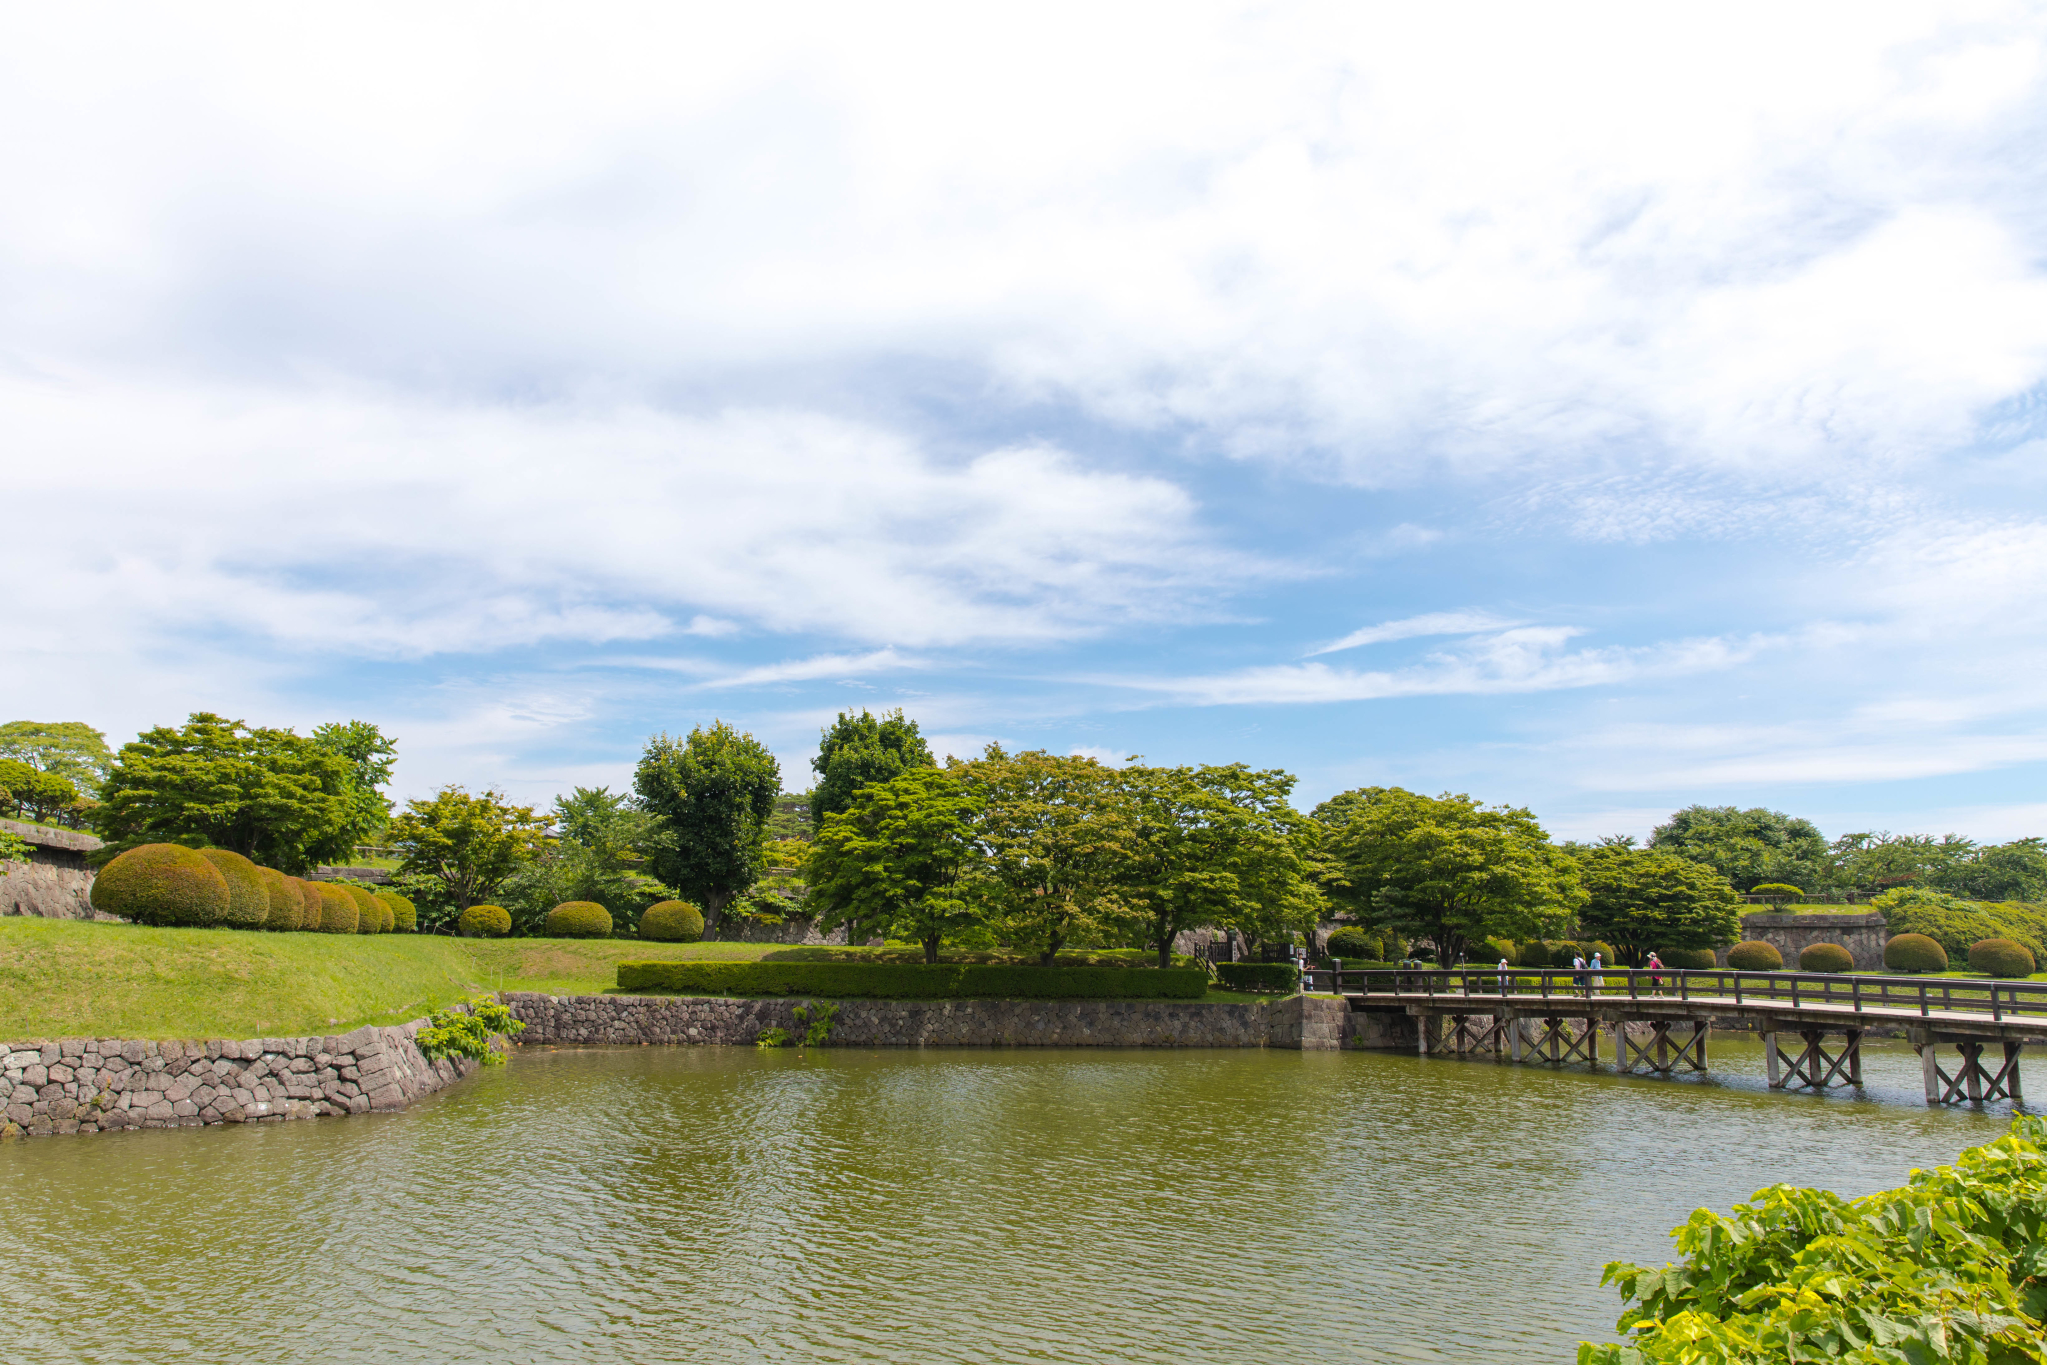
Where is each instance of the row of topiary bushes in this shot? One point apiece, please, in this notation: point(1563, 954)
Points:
point(663, 922)
point(1999, 957)
point(169, 884)
point(914, 981)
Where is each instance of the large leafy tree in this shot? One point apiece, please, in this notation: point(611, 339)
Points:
point(369, 755)
point(1455, 872)
point(470, 845)
point(1213, 845)
point(1054, 833)
point(1641, 900)
point(856, 750)
point(273, 796)
point(1749, 847)
point(598, 856)
point(896, 860)
point(712, 796)
point(69, 749)
point(1878, 862)
point(2016, 871)
point(41, 796)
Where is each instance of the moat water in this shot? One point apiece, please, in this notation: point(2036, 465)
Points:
point(723, 1204)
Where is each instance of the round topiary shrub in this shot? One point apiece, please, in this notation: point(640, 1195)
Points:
point(1688, 959)
point(1780, 894)
point(161, 884)
point(404, 917)
point(672, 922)
point(1753, 956)
point(287, 907)
point(248, 899)
point(1560, 954)
point(1352, 943)
point(485, 921)
point(369, 917)
point(1826, 957)
point(1915, 953)
point(338, 910)
point(579, 919)
point(311, 904)
point(2000, 957)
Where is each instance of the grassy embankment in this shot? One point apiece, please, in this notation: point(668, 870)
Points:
point(65, 978)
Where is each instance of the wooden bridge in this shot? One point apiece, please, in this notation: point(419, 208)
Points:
point(1659, 1021)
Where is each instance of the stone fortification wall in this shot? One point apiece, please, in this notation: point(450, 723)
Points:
point(1863, 935)
point(90, 1085)
point(56, 883)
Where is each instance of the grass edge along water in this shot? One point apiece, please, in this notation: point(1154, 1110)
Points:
point(907, 981)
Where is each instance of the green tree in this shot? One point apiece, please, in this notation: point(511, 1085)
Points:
point(1749, 846)
point(1053, 833)
point(1878, 862)
point(896, 859)
point(469, 845)
point(1641, 900)
point(1214, 845)
point(597, 856)
point(272, 796)
point(69, 749)
point(2016, 871)
point(712, 796)
point(48, 798)
point(856, 750)
point(1455, 872)
point(369, 755)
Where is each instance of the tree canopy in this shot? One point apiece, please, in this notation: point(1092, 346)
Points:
point(895, 860)
point(856, 750)
point(69, 749)
point(1641, 900)
point(1748, 846)
point(369, 756)
point(712, 796)
point(469, 845)
point(40, 796)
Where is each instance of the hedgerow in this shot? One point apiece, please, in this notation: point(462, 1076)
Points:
point(913, 981)
point(248, 899)
point(161, 884)
point(1258, 976)
point(286, 907)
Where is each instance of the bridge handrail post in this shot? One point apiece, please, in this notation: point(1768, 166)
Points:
point(1737, 987)
point(1794, 992)
point(1466, 976)
point(1925, 1012)
point(1684, 985)
point(1995, 1012)
point(1856, 991)
point(1633, 993)
point(1545, 982)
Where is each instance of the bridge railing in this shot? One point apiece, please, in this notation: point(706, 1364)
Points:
point(1923, 995)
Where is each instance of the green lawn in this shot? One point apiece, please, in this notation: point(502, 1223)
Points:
point(66, 978)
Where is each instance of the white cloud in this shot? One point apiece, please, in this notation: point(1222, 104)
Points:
point(1433, 623)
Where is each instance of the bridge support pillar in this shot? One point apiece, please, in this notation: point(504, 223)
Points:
point(1972, 1081)
point(1660, 1052)
point(1813, 1067)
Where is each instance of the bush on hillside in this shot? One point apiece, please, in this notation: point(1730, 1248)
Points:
point(672, 922)
point(369, 917)
point(338, 910)
point(1826, 957)
point(390, 916)
point(2000, 957)
point(1955, 923)
point(161, 884)
point(1754, 956)
point(248, 899)
point(1914, 953)
point(579, 919)
point(1489, 953)
point(1258, 976)
point(404, 916)
point(1352, 943)
point(906, 981)
point(485, 921)
point(287, 907)
point(1780, 893)
point(310, 903)
point(1688, 959)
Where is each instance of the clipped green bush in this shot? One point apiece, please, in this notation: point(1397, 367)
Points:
point(390, 916)
point(916, 981)
point(1780, 893)
point(1258, 976)
point(672, 922)
point(404, 915)
point(1352, 943)
point(484, 921)
point(1914, 953)
point(248, 899)
point(1489, 953)
point(338, 910)
point(1826, 957)
point(310, 904)
point(1755, 956)
point(579, 919)
point(287, 907)
point(161, 884)
point(369, 917)
point(2000, 957)
point(1688, 959)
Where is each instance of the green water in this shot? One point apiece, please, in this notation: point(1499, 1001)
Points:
point(722, 1204)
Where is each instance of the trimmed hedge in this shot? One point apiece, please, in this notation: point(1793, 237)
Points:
point(1258, 976)
point(369, 916)
point(1688, 959)
point(1352, 943)
point(248, 899)
point(672, 922)
point(1826, 957)
point(161, 884)
point(404, 915)
point(579, 919)
point(1755, 956)
point(338, 910)
point(485, 921)
point(2000, 957)
point(1915, 953)
point(287, 906)
point(310, 903)
point(914, 981)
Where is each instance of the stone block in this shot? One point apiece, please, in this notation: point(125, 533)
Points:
point(160, 1112)
point(72, 1047)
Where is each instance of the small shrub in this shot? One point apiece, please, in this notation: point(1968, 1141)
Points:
point(1780, 893)
point(310, 903)
point(390, 918)
point(369, 917)
point(1491, 951)
point(2000, 957)
point(672, 922)
point(1688, 959)
point(404, 915)
point(1560, 954)
point(816, 1021)
point(466, 1030)
point(248, 899)
point(1754, 956)
point(1914, 953)
point(161, 884)
point(579, 919)
point(1826, 957)
point(1352, 943)
point(338, 910)
point(287, 907)
point(484, 921)
point(1258, 976)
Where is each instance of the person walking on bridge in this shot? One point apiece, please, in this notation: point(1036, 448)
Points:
point(1578, 972)
point(1596, 983)
point(1503, 976)
point(1655, 965)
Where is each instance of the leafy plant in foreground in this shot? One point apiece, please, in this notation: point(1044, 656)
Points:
point(466, 1030)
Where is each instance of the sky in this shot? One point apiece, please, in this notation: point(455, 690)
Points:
point(1599, 409)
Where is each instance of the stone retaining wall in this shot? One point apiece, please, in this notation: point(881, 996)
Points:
point(89, 1085)
point(55, 883)
point(1862, 934)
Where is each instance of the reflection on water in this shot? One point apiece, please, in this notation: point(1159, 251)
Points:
point(722, 1204)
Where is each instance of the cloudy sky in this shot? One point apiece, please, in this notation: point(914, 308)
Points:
point(1600, 409)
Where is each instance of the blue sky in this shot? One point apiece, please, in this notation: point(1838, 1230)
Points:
point(1600, 412)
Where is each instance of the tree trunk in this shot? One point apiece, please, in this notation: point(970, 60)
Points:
point(714, 906)
point(1052, 947)
point(931, 950)
point(1165, 937)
